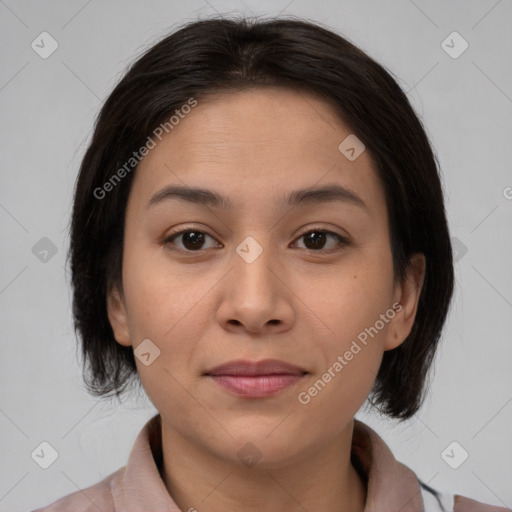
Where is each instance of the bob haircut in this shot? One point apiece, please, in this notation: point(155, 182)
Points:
point(221, 55)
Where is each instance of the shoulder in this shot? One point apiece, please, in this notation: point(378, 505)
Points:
point(463, 504)
point(91, 499)
point(435, 501)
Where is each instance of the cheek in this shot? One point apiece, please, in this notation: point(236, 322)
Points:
point(343, 382)
point(344, 302)
point(349, 339)
point(160, 294)
point(169, 308)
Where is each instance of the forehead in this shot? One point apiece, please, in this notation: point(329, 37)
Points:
point(258, 145)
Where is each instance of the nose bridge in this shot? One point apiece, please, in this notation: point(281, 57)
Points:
point(253, 264)
point(254, 297)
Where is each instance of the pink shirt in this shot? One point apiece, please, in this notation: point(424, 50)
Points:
point(138, 486)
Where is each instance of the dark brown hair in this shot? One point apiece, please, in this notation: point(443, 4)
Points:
point(222, 55)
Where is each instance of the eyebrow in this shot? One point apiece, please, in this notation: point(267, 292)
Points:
point(300, 197)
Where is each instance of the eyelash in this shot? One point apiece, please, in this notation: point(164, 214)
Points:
point(343, 241)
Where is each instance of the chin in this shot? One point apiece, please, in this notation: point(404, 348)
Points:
point(255, 448)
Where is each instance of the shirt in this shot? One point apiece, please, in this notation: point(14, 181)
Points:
point(138, 486)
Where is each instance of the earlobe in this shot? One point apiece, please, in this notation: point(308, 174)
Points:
point(117, 315)
point(407, 295)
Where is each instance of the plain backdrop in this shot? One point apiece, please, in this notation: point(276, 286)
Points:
point(48, 106)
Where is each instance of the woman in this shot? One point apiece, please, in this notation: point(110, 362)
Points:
point(259, 239)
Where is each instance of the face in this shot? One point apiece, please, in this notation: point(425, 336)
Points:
point(308, 282)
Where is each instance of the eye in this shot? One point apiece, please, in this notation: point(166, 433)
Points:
point(192, 239)
point(315, 239)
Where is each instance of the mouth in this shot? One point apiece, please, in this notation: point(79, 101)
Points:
point(259, 379)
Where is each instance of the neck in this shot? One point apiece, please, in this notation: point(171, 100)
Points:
point(323, 479)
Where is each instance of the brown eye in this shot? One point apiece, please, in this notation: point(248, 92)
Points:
point(315, 239)
point(191, 239)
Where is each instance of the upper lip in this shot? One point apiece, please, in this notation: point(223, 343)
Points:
point(264, 367)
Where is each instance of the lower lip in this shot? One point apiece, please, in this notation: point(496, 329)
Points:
point(257, 386)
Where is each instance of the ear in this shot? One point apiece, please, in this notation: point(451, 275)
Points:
point(406, 296)
point(117, 315)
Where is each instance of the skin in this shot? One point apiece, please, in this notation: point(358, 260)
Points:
point(295, 303)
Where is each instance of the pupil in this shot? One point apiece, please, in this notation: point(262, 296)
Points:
point(315, 238)
point(195, 238)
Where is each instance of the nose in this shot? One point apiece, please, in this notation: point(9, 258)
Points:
point(255, 296)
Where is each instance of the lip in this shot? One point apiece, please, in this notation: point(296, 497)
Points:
point(256, 379)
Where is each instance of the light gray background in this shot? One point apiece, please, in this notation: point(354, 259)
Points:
point(47, 112)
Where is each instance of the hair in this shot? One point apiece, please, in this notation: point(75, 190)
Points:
point(222, 55)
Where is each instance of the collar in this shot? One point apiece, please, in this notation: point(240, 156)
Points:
point(391, 486)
